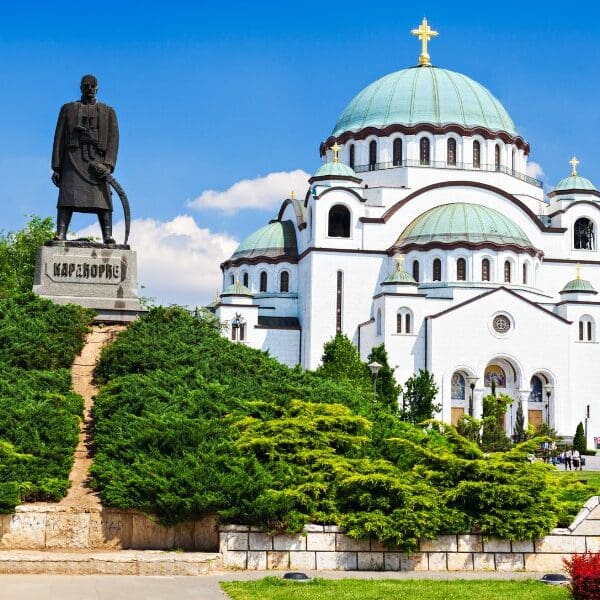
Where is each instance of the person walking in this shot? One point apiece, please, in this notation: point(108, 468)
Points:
point(568, 459)
point(576, 460)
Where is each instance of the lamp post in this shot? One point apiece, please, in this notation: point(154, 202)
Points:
point(548, 389)
point(472, 383)
point(374, 367)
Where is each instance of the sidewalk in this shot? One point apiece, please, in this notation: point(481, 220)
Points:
point(205, 587)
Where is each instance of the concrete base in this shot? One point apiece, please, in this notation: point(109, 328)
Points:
point(103, 278)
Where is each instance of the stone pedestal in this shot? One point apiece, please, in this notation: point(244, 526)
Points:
point(92, 275)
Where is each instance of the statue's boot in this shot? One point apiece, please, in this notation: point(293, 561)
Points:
point(105, 218)
point(62, 224)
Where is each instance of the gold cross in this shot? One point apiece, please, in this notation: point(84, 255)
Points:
point(424, 33)
point(574, 162)
point(336, 150)
point(399, 261)
point(578, 271)
point(293, 195)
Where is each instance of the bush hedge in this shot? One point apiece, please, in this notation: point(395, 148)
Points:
point(188, 423)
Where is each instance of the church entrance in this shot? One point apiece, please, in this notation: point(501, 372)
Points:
point(502, 377)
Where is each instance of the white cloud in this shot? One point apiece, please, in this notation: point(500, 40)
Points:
point(178, 262)
point(264, 193)
point(534, 170)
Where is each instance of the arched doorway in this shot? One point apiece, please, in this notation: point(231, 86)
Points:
point(503, 376)
point(539, 405)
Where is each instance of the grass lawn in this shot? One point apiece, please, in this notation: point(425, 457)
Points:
point(590, 477)
point(273, 588)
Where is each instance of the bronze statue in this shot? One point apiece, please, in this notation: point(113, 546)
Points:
point(84, 155)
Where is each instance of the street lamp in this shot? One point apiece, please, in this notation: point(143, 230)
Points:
point(374, 367)
point(472, 383)
point(548, 389)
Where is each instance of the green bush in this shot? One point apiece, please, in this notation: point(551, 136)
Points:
point(188, 423)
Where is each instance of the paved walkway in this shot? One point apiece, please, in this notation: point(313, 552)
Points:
point(206, 587)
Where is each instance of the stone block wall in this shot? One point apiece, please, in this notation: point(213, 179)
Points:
point(324, 547)
point(52, 526)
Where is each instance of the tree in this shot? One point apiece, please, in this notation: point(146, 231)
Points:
point(519, 434)
point(493, 436)
point(17, 255)
point(387, 388)
point(579, 441)
point(418, 395)
point(341, 362)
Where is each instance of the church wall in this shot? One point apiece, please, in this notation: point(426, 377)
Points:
point(282, 344)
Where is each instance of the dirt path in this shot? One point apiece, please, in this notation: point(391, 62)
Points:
point(81, 373)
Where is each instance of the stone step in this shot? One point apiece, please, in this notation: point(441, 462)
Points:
point(124, 562)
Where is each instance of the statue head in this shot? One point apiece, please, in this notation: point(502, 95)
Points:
point(89, 88)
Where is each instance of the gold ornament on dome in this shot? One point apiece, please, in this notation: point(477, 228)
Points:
point(573, 162)
point(336, 151)
point(424, 33)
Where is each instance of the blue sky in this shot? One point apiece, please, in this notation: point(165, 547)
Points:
point(211, 93)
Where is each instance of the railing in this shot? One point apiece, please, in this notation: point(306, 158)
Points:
point(445, 165)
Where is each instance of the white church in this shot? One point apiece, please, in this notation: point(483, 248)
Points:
point(422, 231)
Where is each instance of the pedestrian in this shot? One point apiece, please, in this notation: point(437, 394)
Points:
point(568, 459)
point(576, 459)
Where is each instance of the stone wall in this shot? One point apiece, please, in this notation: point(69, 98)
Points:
point(53, 526)
point(327, 547)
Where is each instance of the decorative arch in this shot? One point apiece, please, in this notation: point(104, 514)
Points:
point(405, 320)
point(586, 329)
point(425, 150)
point(284, 281)
point(397, 152)
point(584, 234)
point(372, 155)
point(263, 281)
point(461, 269)
point(451, 151)
point(436, 269)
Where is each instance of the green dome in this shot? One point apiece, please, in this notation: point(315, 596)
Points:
point(335, 169)
point(399, 277)
point(236, 289)
point(271, 241)
point(574, 182)
point(424, 95)
point(462, 222)
point(578, 286)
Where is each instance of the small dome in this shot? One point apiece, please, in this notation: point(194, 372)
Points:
point(574, 182)
point(424, 95)
point(399, 277)
point(236, 289)
point(335, 169)
point(578, 286)
point(463, 222)
point(271, 241)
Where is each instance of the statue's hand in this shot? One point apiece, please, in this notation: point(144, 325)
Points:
point(101, 171)
point(56, 178)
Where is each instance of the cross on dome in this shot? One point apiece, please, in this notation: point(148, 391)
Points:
point(399, 262)
point(573, 162)
point(578, 271)
point(336, 150)
point(424, 33)
point(292, 195)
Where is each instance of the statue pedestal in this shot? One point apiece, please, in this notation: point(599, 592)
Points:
point(92, 275)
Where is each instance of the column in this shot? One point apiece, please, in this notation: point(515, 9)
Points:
point(524, 398)
point(478, 403)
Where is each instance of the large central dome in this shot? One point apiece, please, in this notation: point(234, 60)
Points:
point(424, 95)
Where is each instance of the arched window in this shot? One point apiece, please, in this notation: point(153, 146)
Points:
point(397, 152)
point(536, 394)
point(232, 279)
point(485, 269)
point(238, 329)
point(457, 387)
point(476, 154)
point(263, 281)
point(525, 274)
point(415, 270)
point(351, 156)
point(338, 301)
point(424, 151)
point(437, 270)
point(245, 278)
point(514, 160)
point(507, 271)
point(284, 281)
point(339, 222)
point(404, 320)
point(372, 155)
point(584, 235)
point(378, 321)
point(587, 329)
point(451, 151)
point(461, 269)
point(497, 157)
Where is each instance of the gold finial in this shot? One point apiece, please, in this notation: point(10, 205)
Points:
point(424, 33)
point(578, 271)
point(293, 195)
point(573, 162)
point(399, 262)
point(237, 280)
point(336, 150)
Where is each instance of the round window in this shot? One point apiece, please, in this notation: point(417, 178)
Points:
point(501, 324)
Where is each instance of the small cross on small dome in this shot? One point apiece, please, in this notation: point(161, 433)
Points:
point(573, 162)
